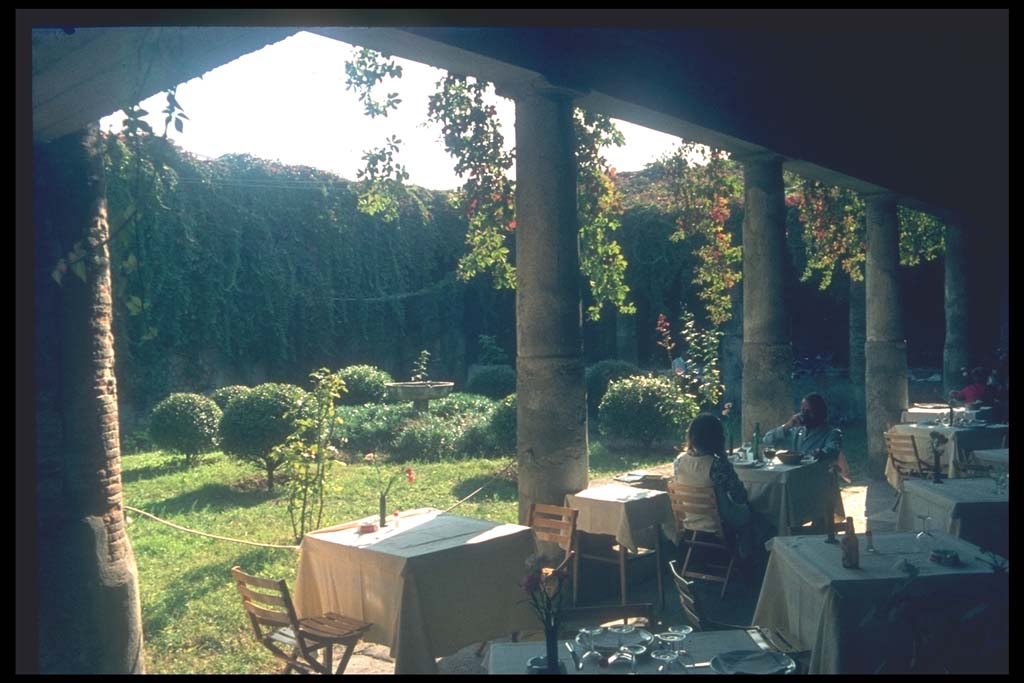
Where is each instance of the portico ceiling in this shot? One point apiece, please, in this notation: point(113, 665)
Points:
point(912, 102)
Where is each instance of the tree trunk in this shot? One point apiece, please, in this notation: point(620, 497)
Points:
point(89, 611)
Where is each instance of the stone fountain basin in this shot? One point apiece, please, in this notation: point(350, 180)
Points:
point(419, 391)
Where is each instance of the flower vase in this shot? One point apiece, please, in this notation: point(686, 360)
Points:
point(383, 511)
point(551, 649)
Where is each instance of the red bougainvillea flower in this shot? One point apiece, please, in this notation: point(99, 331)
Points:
point(530, 583)
point(410, 475)
point(511, 225)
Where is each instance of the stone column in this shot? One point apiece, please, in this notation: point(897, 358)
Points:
point(551, 409)
point(856, 343)
point(885, 351)
point(767, 354)
point(955, 349)
point(732, 352)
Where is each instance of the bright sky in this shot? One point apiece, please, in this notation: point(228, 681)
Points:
point(288, 102)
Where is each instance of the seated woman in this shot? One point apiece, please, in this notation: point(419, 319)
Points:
point(704, 464)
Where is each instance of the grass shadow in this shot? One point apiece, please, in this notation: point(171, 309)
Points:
point(199, 583)
point(502, 489)
point(213, 497)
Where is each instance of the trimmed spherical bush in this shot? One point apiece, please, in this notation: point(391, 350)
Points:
point(363, 384)
point(646, 409)
point(601, 373)
point(255, 423)
point(493, 381)
point(225, 395)
point(186, 424)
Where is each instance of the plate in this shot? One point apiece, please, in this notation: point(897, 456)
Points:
point(745, 463)
point(752, 662)
point(629, 478)
point(607, 642)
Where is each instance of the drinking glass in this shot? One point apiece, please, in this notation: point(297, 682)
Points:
point(665, 658)
point(590, 660)
point(925, 538)
point(686, 661)
point(626, 656)
point(621, 630)
point(684, 629)
point(671, 641)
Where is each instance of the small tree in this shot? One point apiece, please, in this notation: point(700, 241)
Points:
point(186, 424)
point(363, 384)
point(225, 395)
point(255, 423)
point(309, 450)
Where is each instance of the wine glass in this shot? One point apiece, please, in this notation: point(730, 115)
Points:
point(665, 658)
point(590, 660)
point(683, 629)
point(925, 538)
point(621, 630)
point(686, 661)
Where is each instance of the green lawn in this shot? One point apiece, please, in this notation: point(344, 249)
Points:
point(192, 615)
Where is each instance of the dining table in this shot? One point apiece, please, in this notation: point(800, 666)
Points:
point(960, 441)
point(848, 616)
point(702, 646)
point(997, 459)
point(923, 412)
point(788, 496)
point(631, 516)
point(975, 509)
point(430, 585)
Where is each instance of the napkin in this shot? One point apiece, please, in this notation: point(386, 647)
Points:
point(751, 662)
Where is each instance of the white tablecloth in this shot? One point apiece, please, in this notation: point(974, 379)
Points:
point(622, 511)
point(996, 458)
point(435, 584)
point(961, 440)
point(787, 495)
point(966, 508)
point(931, 411)
point(808, 592)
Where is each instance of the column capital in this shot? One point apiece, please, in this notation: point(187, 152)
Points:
point(540, 86)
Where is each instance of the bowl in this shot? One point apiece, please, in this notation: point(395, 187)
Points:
point(787, 458)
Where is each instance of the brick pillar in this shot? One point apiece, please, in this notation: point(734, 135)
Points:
point(90, 605)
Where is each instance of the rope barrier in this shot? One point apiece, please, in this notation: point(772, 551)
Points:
point(485, 485)
point(295, 547)
point(203, 533)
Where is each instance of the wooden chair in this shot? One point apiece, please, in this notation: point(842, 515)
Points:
point(778, 639)
point(903, 455)
point(572, 620)
point(556, 524)
point(618, 554)
point(270, 609)
point(700, 501)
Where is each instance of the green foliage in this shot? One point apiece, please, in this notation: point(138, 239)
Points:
point(371, 427)
point(363, 384)
point(503, 424)
point(186, 424)
point(472, 135)
point(490, 352)
point(309, 451)
point(381, 181)
point(494, 381)
point(462, 404)
point(254, 424)
point(645, 409)
point(704, 185)
point(600, 374)
point(366, 70)
point(429, 438)
point(420, 370)
point(219, 257)
point(700, 377)
point(835, 234)
point(225, 395)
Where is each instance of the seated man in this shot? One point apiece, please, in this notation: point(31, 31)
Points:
point(807, 432)
point(977, 390)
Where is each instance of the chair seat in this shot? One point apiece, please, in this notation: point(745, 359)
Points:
point(331, 626)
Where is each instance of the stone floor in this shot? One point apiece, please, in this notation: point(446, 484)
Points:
point(868, 502)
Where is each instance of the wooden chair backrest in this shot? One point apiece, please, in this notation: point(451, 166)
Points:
point(903, 453)
point(266, 601)
point(686, 597)
point(576, 618)
point(694, 501)
point(553, 524)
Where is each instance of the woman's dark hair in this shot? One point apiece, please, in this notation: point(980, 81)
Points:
point(817, 404)
point(707, 435)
